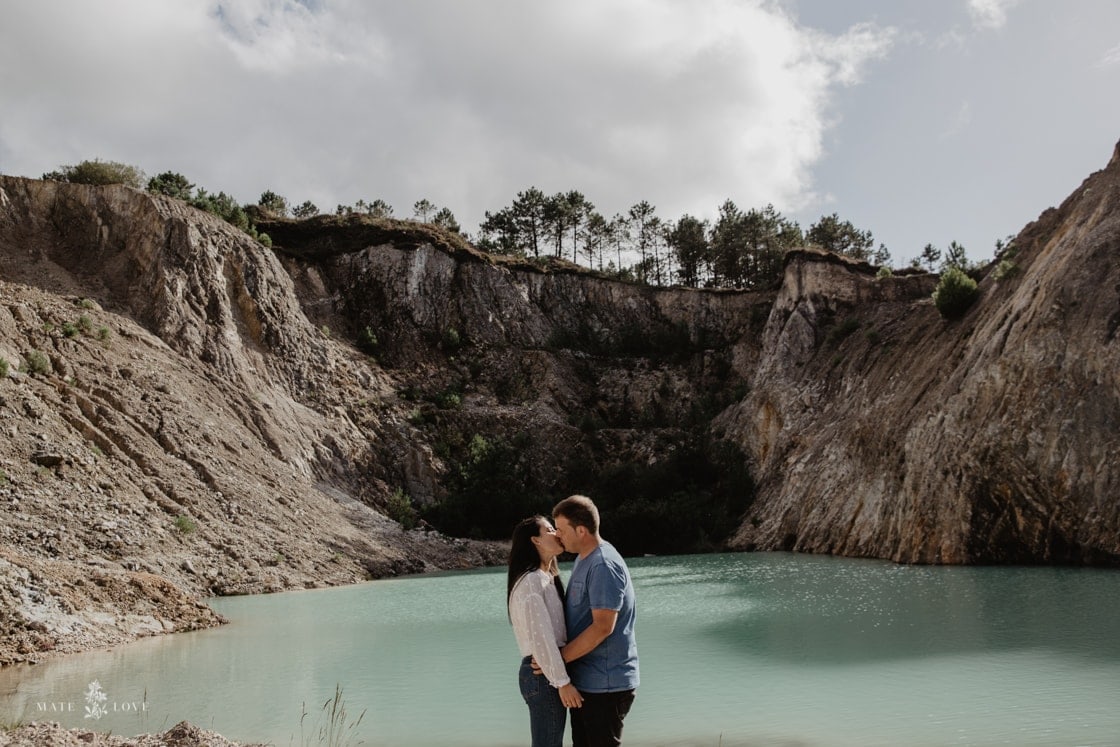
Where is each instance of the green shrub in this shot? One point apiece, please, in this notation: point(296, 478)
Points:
point(99, 172)
point(955, 293)
point(367, 341)
point(37, 362)
point(399, 508)
point(451, 339)
point(3, 369)
point(686, 502)
point(449, 400)
point(103, 334)
point(172, 184)
point(185, 524)
point(489, 489)
point(306, 210)
point(884, 272)
point(273, 203)
point(1006, 269)
point(69, 329)
point(222, 205)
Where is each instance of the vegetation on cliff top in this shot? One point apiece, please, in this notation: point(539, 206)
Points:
point(955, 293)
point(740, 249)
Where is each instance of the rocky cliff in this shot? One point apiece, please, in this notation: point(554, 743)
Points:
point(174, 426)
point(878, 429)
point(580, 371)
point(187, 412)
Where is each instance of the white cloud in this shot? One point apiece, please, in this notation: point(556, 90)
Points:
point(1110, 58)
point(952, 40)
point(851, 52)
point(682, 104)
point(281, 36)
point(990, 14)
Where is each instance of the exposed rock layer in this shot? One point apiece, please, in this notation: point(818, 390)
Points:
point(991, 439)
point(184, 422)
point(200, 419)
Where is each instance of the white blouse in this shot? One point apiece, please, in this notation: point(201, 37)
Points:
point(537, 613)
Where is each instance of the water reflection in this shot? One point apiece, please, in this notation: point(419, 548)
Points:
point(832, 611)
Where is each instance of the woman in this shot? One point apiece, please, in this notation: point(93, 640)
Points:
point(534, 596)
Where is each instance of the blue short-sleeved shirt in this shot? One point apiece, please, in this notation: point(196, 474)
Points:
point(602, 581)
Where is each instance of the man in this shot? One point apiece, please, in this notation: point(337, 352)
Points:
point(602, 651)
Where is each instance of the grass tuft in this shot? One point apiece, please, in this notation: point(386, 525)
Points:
point(185, 524)
point(335, 728)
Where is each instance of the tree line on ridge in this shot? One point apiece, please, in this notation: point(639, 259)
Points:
point(740, 249)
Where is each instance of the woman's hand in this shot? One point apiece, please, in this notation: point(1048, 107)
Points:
point(570, 696)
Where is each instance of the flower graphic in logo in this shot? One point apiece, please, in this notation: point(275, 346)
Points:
point(95, 701)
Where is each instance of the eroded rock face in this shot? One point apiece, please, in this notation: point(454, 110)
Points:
point(169, 412)
point(583, 373)
point(188, 413)
point(879, 429)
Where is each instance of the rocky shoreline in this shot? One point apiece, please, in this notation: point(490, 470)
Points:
point(50, 608)
point(52, 734)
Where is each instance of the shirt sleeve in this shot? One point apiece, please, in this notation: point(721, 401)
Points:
point(543, 641)
point(606, 587)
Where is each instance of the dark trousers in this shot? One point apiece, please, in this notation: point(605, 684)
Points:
point(598, 723)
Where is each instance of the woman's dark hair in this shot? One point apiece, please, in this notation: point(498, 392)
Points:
point(523, 555)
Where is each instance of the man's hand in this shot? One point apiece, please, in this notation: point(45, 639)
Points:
point(536, 667)
point(570, 696)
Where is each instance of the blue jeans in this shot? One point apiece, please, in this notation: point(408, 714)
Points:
point(547, 715)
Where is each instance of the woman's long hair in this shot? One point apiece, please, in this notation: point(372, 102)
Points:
point(524, 558)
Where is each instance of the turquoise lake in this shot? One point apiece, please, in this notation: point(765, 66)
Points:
point(736, 650)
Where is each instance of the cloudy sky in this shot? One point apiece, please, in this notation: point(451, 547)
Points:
point(923, 121)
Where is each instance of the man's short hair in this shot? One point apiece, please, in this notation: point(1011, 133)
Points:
point(580, 511)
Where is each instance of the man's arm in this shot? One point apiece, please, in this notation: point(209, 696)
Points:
point(602, 625)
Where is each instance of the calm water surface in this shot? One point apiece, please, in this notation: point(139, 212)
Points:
point(736, 649)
